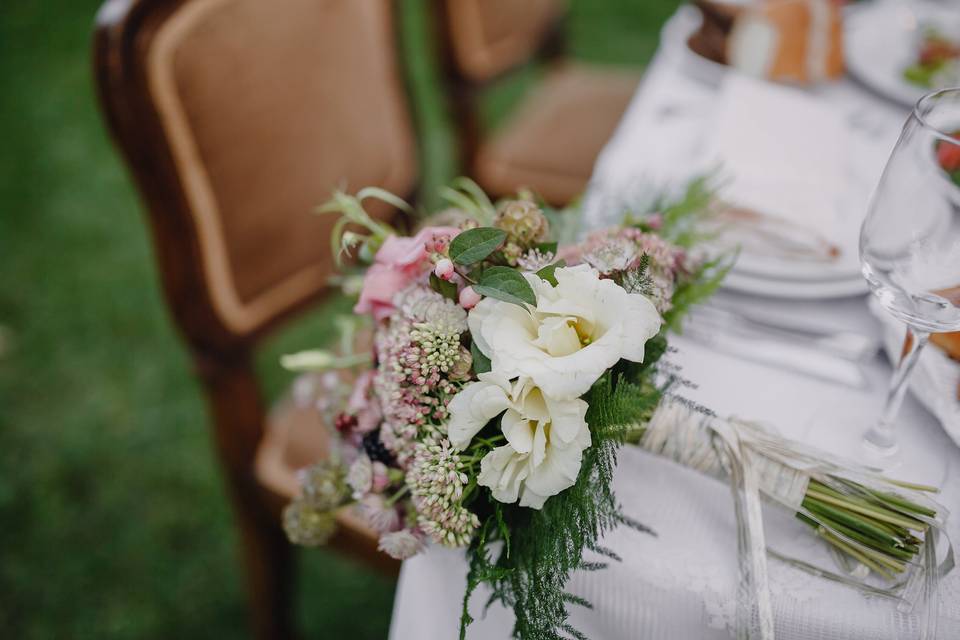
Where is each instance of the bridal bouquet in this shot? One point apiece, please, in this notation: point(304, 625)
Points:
point(507, 368)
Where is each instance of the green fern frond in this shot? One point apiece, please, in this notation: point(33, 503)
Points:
point(548, 545)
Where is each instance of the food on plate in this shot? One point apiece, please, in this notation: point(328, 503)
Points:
point(948, 157)
point(949, 342)
point(937, 63)
point(787, 40)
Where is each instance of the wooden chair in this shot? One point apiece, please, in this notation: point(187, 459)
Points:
point(236, 118)
point(551, 142)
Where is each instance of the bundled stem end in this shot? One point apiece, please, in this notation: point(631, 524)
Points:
point(881, 530)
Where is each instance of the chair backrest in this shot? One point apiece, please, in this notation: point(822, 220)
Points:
point(237, 117)
point(487, 38)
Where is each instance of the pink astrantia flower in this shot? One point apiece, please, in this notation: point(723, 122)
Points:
point(397, 264)
point(363, 405)
point(401, 545)
point(381, 477)
point(381, 517)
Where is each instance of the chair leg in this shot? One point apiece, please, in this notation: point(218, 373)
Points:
point(268, 562)
point(238, 419)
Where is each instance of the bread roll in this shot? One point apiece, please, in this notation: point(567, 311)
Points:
point(788, 40)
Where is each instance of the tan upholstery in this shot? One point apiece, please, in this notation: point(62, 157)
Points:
point(269, 106)
point(296, 437)
point(491, 36)
point(551, 143)
point(236, 118)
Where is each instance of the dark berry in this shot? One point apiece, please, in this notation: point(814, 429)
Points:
point(375, 449)
point(345, 422)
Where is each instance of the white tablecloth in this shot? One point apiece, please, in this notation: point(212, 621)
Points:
point(682, 583)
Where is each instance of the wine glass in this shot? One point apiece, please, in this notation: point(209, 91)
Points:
point(910, 243)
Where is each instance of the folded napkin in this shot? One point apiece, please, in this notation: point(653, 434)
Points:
point(782, 152)
point(809, 156)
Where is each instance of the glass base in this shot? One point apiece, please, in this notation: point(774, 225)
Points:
point(881, 449)
point(916, 456)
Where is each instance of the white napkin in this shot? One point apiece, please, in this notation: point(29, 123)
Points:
point(782, 150)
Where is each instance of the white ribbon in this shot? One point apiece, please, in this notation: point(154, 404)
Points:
point(715, 447)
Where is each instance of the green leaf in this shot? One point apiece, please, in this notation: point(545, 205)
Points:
point(504, 283)
point(653, 351)
point(502, 526)
point(547, 247)
point(475, 274)
point(385, 196)
point(547, 273)
point(474, 245)
point(443, 287)
point(481, 363)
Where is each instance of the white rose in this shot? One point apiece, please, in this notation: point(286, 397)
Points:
point(578, 330)
point(545, 437)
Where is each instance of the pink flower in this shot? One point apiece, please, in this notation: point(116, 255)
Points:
point(572, 254)
point(362, 405)
point(400, 545)
point(381, 517)
point(469, 298)
point(381, 478)
point(400, 261)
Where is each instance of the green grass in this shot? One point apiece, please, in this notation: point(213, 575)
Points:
point(113, 519)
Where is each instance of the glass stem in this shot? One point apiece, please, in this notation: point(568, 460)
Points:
point(882, 435)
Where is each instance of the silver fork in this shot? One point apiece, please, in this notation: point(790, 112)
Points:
point(848, 345)
point(832, 356)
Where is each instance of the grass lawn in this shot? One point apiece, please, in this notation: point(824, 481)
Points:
point(113, 520)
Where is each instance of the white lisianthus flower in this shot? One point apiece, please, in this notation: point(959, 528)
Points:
point(545, 437)
point(579, 329)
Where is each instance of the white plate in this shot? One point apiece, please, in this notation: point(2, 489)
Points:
point(880, 42)
point(795, 289)
point(846, 267)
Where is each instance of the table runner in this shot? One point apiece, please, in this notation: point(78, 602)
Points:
point(682, 583)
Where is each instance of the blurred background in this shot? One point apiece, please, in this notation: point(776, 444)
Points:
point(113, 518)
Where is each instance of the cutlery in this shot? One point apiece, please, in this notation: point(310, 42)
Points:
point(747, 323)
point(779, 354)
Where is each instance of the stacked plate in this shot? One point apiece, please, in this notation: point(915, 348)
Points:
point(799, 184)
point(789, 278)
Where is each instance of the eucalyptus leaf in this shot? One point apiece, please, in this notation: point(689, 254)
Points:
point(481, 363)
point(547, 247)
point(547, 273)
point(504, 283)
point(474, 245)
point(444, 287)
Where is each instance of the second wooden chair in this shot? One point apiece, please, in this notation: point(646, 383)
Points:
point(553, 138)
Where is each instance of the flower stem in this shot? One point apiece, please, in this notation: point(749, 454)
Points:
point(868, 510)
point(463, 275)
point(853, 552)
point(399, 494)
